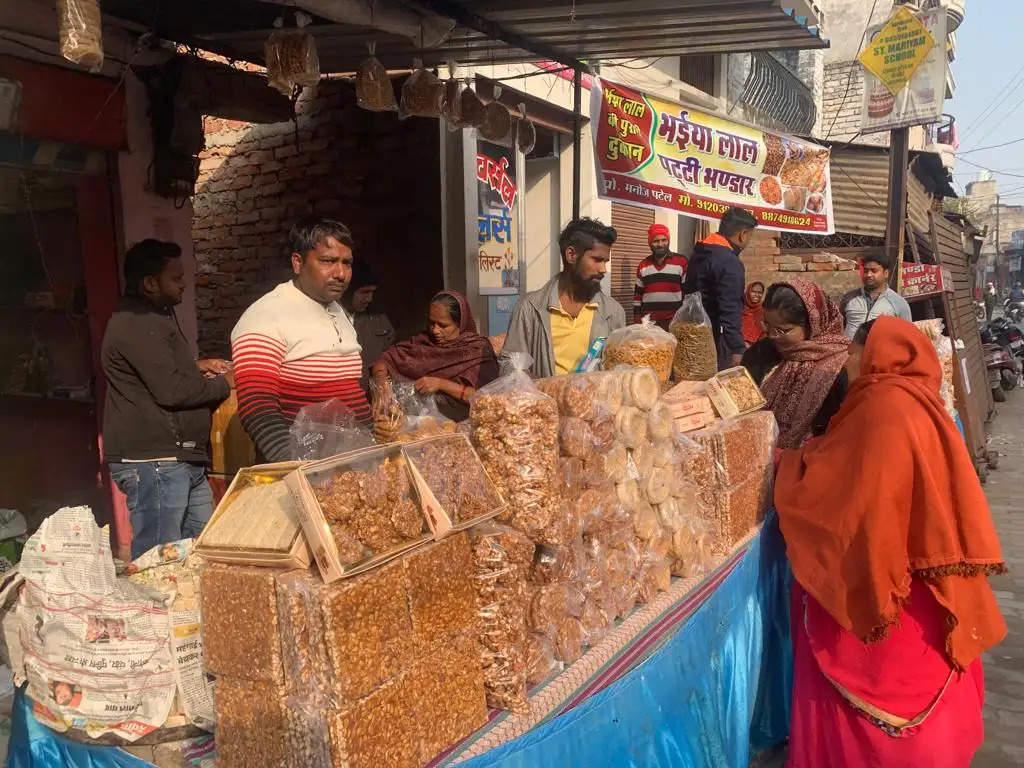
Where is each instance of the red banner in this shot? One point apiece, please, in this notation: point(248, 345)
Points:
point(920, 280)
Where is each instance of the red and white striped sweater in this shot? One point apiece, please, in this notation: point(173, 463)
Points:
point(289, 351)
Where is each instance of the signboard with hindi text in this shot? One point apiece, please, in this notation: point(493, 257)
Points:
point(662, 154)
point(920, 280)
point(904, 71)
point(497, 197)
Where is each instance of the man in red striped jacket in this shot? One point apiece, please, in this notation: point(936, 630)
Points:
point(296, 345)
point(659, 280)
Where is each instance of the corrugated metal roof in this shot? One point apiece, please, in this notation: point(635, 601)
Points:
point(586, 30)
point(860, 189)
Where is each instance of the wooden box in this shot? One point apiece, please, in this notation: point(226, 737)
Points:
point(269, 535)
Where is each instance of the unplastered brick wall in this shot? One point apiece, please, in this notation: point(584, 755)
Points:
point(763, 261)
point(841, 103)
point(376, 173)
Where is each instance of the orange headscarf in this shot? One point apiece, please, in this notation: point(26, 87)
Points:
point(753, 315)
point(888, 494)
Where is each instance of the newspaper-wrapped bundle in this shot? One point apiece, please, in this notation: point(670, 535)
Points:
point(104, 654)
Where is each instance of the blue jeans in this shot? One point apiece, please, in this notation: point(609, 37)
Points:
point(168, 501)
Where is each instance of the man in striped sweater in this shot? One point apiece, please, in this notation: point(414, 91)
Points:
point(296, 345)
point(659, 280)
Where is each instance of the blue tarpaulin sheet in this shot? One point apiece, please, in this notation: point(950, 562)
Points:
point(34, 746)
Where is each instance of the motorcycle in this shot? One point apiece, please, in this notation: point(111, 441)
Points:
point(1004, 370)
point(1013, 309)
point(1006, 334)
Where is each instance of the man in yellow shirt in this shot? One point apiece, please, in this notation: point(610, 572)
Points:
point(557, 323)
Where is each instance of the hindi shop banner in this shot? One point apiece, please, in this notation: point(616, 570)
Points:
point(497, 231)
point(661, 154)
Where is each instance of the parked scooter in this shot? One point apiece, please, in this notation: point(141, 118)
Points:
point(1014, 310)
point(1004, 370)
point(1006, 334)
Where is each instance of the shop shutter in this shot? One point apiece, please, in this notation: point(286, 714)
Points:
point(630, 249)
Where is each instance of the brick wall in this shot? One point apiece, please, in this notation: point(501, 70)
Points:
point(845, 112)
point(372, 171)
point(764, 261)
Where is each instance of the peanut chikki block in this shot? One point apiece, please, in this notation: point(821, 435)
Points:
point(740, 447)
point(250, 724)
point(738, 509)
point(307, 668)
point(240, 623)
point(307, 736)
point(435, 703)
point(381, 729)
point(442, 597)
point(454, 704)
point(368, 629)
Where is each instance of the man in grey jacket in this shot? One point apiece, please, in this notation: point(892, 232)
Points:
point(557, 324)
point(876, 298)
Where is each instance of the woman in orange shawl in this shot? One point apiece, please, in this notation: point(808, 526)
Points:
point(891, 542)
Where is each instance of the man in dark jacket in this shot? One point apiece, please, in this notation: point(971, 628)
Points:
point(716, 272)
point(156, 419)
point(374, 330)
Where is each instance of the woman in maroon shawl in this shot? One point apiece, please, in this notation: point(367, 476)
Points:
point(799, 366)
point(450, 361)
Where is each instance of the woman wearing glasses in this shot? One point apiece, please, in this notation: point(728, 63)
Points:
point(799, 365)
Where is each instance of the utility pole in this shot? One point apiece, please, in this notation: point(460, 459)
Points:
point(896, 215)
point(999, 272)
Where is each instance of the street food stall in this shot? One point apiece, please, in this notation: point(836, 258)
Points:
point(494, 593)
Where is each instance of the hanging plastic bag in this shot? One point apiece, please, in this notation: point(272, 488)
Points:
point(496, 125)
point(422, 93)
point(451, 104)
point(696, 358)
point(471, 109)
point(641, 344)
point(373, 85)
point(80, 31)
point(526, 133)
point(291, 57)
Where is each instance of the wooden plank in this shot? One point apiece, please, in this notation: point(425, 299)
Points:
point(965, 388)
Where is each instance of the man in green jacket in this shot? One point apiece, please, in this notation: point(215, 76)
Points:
point(557, 324)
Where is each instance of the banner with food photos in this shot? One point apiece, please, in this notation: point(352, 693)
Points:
point(662, 154)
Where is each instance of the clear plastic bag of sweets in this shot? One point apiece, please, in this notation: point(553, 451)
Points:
point(326, 429)
point(80, 32)
point(696, 358)
point(373, 85)
point(515, 431)
point(643, 344)
point(291, 60)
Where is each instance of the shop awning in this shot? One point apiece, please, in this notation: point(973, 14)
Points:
point(484, 31)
